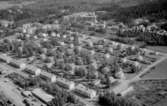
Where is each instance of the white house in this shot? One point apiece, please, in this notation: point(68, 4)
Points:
point(32, 70)
point(48, 76)
point(17, 64)
point(84, 91)
point(65, 83)
point(92, 52)
point(124, 60)
point(107, 56)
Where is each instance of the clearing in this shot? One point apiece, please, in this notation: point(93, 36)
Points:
point(159, 72)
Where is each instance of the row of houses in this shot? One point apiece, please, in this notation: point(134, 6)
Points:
point(32, 70)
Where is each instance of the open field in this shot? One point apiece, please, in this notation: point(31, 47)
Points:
point(150, 92)
point(159, 72)
point(82, 5)
point(158, 48)
point(162, 103)
point(9, 4)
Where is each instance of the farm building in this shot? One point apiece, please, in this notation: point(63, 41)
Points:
point(42, 95)
point(65, 83)
point(17, 64)
point(48, 76)
point(84, 91)
point(33, 70)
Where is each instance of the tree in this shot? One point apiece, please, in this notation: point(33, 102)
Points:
point(80, 71)
point(67, 67)
point(110, 99)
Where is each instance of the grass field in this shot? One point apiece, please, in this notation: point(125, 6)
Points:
point(150, 92)
point(160, 72)
point(162, 102)
point(9, 4)
point(158, 48)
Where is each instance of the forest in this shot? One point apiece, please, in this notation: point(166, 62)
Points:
point(152, 10)
point(110, 99)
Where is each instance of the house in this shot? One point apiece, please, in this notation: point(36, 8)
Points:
point(6, 23)
point(84, 91)
point(26, 93)
point(112, 79)
point(42, 95)
point(140, 21)
point(48, 76)
point(107, 56)
point(32, 70)
point(133, 48)
point(92, 52)
point(49, 65)
point(65, 83)
point(124, 60)
point(17, 64)
point(120, 74)
point(123, 46)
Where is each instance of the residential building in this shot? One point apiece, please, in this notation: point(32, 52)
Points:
point(48, 76)
point(17, 64)
point(42, 95)
point(65, 83)
point(84, 91)
point(32, 70)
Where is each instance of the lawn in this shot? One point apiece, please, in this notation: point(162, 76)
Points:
point(9, 4)
point(163, 102)
point(150, 92)
point(160, 72)
point(158, 48)
point(4, 5)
